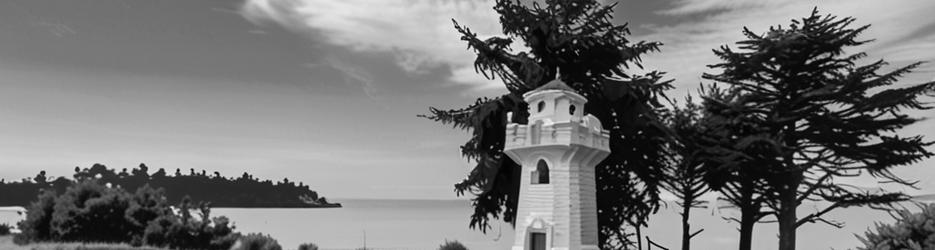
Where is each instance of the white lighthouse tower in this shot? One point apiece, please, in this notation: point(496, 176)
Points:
point(558, 150)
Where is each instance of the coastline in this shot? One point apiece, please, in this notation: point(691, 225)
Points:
point(16, 208)
point(275, 205)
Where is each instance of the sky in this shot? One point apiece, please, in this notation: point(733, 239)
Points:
point(327, 92)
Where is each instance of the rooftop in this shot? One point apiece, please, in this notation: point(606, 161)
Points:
point(556, 85)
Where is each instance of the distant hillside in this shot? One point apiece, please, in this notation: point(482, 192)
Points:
point(243, 191)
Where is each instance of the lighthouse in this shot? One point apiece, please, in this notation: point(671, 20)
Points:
point(558, 149)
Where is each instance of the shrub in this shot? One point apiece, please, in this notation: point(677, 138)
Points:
point(308, 246)
point(91, 212)
point(911, 231)
point(452, 245)
point(37, 225)
point(146, 205)
point(256, 241)
point(5, 230)
point(183, 230)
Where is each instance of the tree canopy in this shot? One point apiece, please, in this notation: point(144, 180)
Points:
point(576, 41)
point(244, 191)
point(686, 178)
point(818, 117)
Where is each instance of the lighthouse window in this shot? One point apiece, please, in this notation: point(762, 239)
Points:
point(537, 241)
point(541, 175)
point(571, 110)
point(541, 106)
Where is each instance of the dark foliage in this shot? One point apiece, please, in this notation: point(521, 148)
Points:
point(256, 241)
point(822, 117)
point(452, 245)
point(687, 176)
point(308, 246)
point(183, 230)
point(911, 231)
point(89, 211)
point(577, 41)
point(5, 229)
point(244, 191)
point(37, 225)
point(92, 212)
point(727, 140)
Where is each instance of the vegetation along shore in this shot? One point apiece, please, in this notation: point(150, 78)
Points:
point(245, 191)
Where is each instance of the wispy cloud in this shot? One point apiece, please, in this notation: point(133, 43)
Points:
point(56, 28)
point(352, 75)
point(418, 32)
point(902, 28)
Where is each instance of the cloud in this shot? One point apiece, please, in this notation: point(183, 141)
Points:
point(57, 29)
point(419, 33)
point(352, 75)
point(899, 27)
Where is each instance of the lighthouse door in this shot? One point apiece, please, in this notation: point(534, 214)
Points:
point(537, 241)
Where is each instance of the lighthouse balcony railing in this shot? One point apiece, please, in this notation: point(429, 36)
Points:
point(560, 133)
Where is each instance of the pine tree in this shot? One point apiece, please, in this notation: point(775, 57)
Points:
point(909, 231)
point(688, 174)
point(731, 154)
point(826, 118)
point(574, 39)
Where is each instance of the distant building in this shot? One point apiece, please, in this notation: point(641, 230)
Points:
point(558, 149)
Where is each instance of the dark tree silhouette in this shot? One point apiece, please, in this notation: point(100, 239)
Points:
point(141, 171)
point(724, 147)
point(219, 191)
point(909, 231)
point(161, 173)
point(576, 40)
point(40, 178)
point(89, 211)
point(686, 180)
point(826, 117)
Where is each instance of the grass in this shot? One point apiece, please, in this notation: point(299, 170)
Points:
point(6, 243)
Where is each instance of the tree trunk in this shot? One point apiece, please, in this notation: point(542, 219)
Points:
point(747, 221)
point(686, 228)
point(639, 238)
point(787, 218)
point(788, 192)
point(748, 213)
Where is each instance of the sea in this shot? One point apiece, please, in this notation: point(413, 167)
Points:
point(426, 224)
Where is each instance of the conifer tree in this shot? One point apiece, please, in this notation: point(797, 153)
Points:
point(825, 117)
point(574, 39)
point(687, 175)
point(731, 157)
